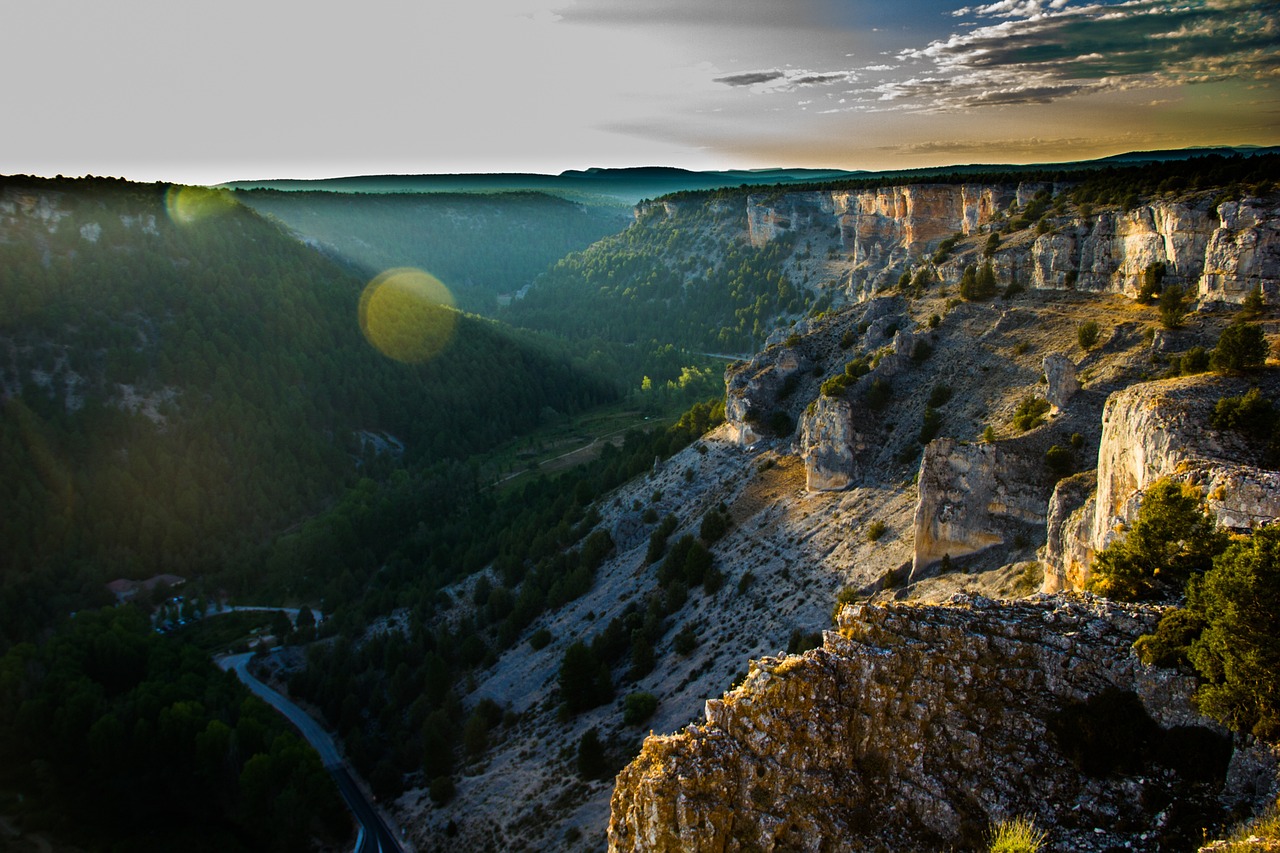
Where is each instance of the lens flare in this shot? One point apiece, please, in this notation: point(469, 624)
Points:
point(407, 315)
point(189, 205)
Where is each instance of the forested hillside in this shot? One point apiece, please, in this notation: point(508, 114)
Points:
point(182, 380)
point(689, 278)
point(480, 245)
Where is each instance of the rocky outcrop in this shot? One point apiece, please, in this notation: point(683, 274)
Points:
point(1152, 431)
point(753, 389)
point(1060, 376)
point(913, 728)
point(881, 225)
point(1219, 253)
point(972, 497)
point(829, 445)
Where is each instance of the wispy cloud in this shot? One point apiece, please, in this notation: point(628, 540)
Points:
point(782, 80)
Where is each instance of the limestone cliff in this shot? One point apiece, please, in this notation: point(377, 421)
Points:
point(973, 496)
point(914, 727)
point(1219, 252)
point(1151, 431)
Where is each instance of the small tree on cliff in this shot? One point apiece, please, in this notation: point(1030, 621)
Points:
point(1171, 541)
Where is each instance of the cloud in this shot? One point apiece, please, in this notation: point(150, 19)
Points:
point(1044, 50)
point(778, 80)
point(749, 78)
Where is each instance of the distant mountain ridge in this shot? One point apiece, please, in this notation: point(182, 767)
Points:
point(630, 185)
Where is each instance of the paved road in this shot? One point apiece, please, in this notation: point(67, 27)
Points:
point(375, 837)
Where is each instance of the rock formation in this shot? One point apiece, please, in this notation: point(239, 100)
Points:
point(1151, 431)
point(1060, 375)
point(1220, 253)
point(972, 496)
point(913, 728)
point(753, 390)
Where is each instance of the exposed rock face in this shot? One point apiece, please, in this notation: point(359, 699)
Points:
point(1060, 373)
point(753, 388)
point(914, 727)
point(882, 225)
point(1218, 253)
point(830, 437)
point(1156, 430)
point(829, 445)
point(971, 497)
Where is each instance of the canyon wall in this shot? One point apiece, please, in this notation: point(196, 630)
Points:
point(1151, 431)
point(914, 727)
point(1219, 252)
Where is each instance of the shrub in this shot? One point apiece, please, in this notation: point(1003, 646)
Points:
point(715, 524)
point(1170, 541)
point(1194, 360)
point(592, 763)
point(1087, 334)
point(878, 394)
point(876, 530)
point(1077, 440)
point(1241, 346)
point(800, 642)
point(1059, 461)
point(1235, 654)
point(989, 434)
point(638, 707)
point(1173, 306)
point(934, 321)
point(1018, 835)
point(686, 640)
point(921, 350)
point(1030, 412)
point(442, 789)
point(1253, 304)
point(1251, 414)
point(930, 425)
point(540, 640)
point(993, 243)
point(939, 395)
point(744, 582)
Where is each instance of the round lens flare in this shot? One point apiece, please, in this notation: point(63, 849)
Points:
point(189, 205)
point(407, 315)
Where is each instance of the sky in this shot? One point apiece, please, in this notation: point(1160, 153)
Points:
point(203, 92)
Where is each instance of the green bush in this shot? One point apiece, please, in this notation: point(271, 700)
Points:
point(1087, 334)
point(878, 394)
point(876, 530)
point(1030, 413)
point(638, 707)
point(1251, 414)
point(1152, 279)
point(939, 395)
point(686, 640)
point(1171, 540)
point(540, 640)
point(1059, 460)
point(930, 425)
point(715, 524)
point(1173, 306)
point(1193, 361)
point(992, 244)
point(1241, 346)
point(1236, 653)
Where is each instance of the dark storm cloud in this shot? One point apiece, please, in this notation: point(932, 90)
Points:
point(750, 78)
point(1046, 51)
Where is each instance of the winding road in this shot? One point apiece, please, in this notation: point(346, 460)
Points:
point(374, 836)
